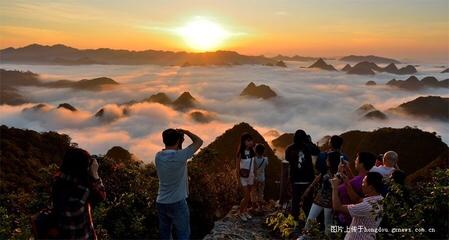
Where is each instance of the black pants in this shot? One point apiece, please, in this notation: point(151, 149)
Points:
point(297, 193)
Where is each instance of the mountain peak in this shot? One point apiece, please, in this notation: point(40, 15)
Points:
point(321, 64)
point(185, 101)
point(67, 106)
point(261, 91)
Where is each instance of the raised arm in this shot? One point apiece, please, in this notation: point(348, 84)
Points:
point(197, 142)
point(353, 196)
point(336, 203)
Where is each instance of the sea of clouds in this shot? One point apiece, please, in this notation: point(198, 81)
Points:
point(320, 102)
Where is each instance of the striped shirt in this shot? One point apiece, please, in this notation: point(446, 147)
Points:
point(366, 217)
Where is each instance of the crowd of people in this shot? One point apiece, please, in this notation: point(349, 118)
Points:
point(321, 182)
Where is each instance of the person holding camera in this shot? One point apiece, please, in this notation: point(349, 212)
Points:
point(350, 191)
point(171, 167)
point(76, 188)
point(323, 198)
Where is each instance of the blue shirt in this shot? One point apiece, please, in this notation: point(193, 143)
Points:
point(171, 166)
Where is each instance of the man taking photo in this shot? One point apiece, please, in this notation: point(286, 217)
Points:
point(171, 166)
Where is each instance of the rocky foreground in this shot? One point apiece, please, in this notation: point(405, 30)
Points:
point(232, 227)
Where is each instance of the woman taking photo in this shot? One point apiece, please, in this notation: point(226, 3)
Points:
point(75, 189)
point(245, 172)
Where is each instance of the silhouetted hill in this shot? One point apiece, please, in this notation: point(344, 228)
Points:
point(161, 98)
point(415, 147)
point(261, 91)
point(282, 142)
point(67, 106)
point(321, 64)
point(213, 180)
point(370, 68)
point(365, 108)
point(368, 111)
point(111, 113)
point(346, 68)
point(363, 68)
point(185, 101)
point(413, 83)
point(425, 173)
point(280, 64)
point(64, 55)
point(18, 78)
point(435, 107)
point(225, 147)
point(85, 84)
point(294, 58)
point(376, 114)
point(445, 70)
point(371, 83)
point(202, 116)
point(369, 58)
point(24, 152)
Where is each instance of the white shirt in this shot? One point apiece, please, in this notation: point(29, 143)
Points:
point(384, 171)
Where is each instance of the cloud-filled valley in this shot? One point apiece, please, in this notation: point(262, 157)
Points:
point(320, 102)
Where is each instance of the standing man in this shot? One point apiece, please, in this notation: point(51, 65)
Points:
point(301, 171)
point(171, 166)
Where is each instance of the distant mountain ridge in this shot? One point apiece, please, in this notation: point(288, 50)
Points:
point(11, 79)
point(370, 68)
point(64, 55)
point(369, 58)
point(294, 58)
point(413, 83)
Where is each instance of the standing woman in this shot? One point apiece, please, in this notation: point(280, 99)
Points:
point(245, 172)
point(75, 189)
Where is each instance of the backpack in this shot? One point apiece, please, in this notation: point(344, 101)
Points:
point(44, 225)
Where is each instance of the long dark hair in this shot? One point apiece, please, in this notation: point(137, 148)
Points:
point(334, 160)
point(76, 164)
point(241, 150)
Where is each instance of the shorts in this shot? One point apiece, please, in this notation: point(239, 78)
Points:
point(258, 192)
point(249, 181)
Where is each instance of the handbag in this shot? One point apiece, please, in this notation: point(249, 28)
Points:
point(244, 172)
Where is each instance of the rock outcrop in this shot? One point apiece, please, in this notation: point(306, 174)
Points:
point(321, 64)
point(262, 91)
point(413, 83)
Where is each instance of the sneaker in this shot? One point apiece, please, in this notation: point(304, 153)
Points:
point(243, 217)
point(248, 216)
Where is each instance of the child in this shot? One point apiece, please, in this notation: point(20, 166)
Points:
point(261, 163)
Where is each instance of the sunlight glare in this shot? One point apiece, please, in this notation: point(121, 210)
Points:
point(203, 35)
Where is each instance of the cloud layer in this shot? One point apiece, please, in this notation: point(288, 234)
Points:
point(320, 102)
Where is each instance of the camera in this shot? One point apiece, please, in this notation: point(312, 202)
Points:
point(339, 176)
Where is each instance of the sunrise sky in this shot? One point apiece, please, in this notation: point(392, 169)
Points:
point(406, 29)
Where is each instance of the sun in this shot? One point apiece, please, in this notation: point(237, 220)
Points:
point(203, 35)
